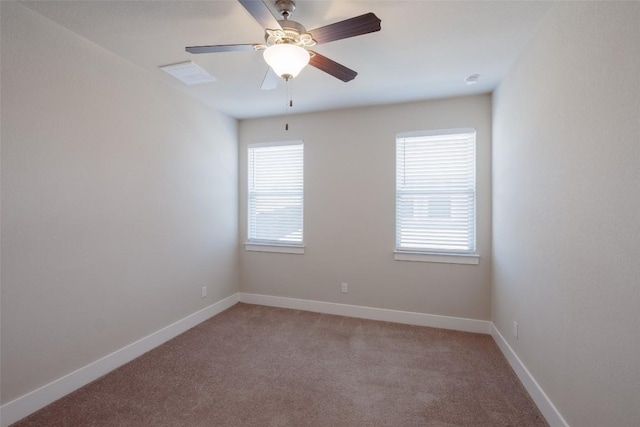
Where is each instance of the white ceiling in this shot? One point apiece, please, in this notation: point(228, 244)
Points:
point(425, 49)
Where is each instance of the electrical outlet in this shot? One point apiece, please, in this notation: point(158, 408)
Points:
point(515, 329)
point(204, 292)
point(345, 288)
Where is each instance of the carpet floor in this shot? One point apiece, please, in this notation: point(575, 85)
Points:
point(262, 366)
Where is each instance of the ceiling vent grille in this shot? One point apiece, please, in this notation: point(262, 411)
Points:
point(188, 73)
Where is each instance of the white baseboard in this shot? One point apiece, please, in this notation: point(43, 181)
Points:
point(39, 398)
point(406, 317)
point(21, 407)
point(546, 406)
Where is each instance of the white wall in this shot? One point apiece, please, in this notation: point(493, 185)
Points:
point(350, 212)
point(119, 202)
point(566, 211)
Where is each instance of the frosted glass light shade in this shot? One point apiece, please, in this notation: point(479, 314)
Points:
point(287, 60)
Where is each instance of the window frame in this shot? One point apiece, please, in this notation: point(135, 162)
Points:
point(432, 254)
point(260, 245)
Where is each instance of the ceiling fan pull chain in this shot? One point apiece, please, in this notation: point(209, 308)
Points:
point(290, 96)
point(286, 100)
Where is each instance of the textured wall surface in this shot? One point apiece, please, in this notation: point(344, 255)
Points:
point(119, 202)
point(566, 211)
point(350, 212)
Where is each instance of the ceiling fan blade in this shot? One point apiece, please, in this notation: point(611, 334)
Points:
point(271, 80)
point(219, 48)
point(261, 13)
point(338, 71)
point(363, 24)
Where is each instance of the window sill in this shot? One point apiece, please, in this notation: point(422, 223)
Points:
point(282, 249)
point(435, 257)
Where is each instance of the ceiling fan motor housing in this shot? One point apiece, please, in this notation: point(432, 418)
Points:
point(292, 33)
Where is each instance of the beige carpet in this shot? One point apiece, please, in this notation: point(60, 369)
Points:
point(262, 366)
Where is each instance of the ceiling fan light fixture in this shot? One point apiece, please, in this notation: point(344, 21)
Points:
point(287, 60)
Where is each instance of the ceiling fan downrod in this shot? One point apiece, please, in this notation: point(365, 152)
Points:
point(285, 8)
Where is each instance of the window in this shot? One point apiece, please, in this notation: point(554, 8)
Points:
point(435, 196)
point(275, 197)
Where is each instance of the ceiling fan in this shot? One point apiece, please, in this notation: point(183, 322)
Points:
point(287, 41)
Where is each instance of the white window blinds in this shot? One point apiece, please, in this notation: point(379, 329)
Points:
point(435, 192)
point(276, 193)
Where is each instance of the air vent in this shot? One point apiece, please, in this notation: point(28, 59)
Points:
point(188, 73)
